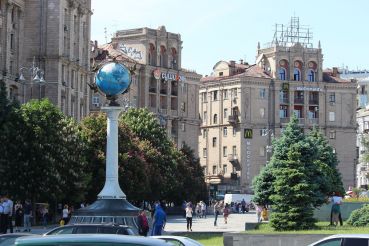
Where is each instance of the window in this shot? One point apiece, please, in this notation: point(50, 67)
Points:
point(332, 116)
point(332, 97)
point(225, 113)
point(205, 117)
point(12, 41)
point(225, 151)
point(183, 106)
point(234, 150)
point(332, 242)
point(311, 75)
point(215, 95)
point(225, 94)
point(263, 132)
point(183, 127)
point(262, 151)
point(296, 74)
point(282, 73)
point(283, 111)
point(355, 241)
point(262, 112)
point(234, 92)
point(262, 93)
point(225, 131)
point(204, 97)
point(224, 168)
point(214, 142)
point(215, 119)
point(214, 169)
point(234, 131)
point(205, 133)
point(96, 101)
point(204, 152)
point(332, 134)
point(220, 73)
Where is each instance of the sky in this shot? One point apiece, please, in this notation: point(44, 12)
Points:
point(214, 30)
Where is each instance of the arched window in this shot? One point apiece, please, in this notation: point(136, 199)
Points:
point(215, 119)
point(282, 73)
point(163, 56)
point(174, 60)
point(152, 55)
point(296, 74)
point(311, 75)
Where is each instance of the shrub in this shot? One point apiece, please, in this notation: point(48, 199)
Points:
point(359, 217)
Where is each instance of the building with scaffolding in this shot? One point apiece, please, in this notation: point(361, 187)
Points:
point(244, 106)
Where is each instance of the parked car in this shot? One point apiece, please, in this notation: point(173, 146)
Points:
point(9, 239)
point(179, 241)
point(344, 240)
point(92, 229)
point(90, 240)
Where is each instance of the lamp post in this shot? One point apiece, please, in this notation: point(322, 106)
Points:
point(36, 75)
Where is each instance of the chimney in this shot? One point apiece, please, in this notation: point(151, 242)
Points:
point(232, 63)
point(241, 61)
point(335, 72)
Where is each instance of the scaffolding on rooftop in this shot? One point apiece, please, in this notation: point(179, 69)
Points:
point(289, 35)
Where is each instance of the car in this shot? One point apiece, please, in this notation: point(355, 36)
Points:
point(179, 240)
point(9, 239)
point(90, 240)
point(344, 240)
point(92, 229)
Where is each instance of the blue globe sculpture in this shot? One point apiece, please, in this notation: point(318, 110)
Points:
point(113, 79)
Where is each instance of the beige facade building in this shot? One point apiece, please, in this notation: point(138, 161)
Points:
point(160, 83)
point(54, 36)
point(243, 107)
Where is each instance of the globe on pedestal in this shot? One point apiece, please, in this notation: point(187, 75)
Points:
point(113, 79)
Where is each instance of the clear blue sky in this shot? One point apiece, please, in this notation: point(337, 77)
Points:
point(214, 30)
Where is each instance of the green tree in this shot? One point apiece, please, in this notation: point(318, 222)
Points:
point(43, 161)
point(190, 178)
point(293, 193)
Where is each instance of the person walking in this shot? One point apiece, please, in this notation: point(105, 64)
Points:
point(27, 215)
point(243, 206)
point(258, 208)
point(8, 211)
point(160, 218)
point(45, 215)
point(2, 216)
point(143, 223)
point(226, 213)
point(189, 213)
point(18, 208)
point(216, 212)
point(203, 209)
point(65, 215)
point(336, 204)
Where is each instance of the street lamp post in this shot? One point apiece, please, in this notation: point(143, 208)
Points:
point(36, 75)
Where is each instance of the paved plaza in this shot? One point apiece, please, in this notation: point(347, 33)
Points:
point(236, 223)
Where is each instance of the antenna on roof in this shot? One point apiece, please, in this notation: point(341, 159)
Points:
point(106, 35)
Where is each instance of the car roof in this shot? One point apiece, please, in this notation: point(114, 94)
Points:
point(106, 224)
point(89, 238)
point(342, 236)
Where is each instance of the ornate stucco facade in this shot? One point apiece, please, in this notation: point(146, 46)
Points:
point(160, 83)
point(244, 106)
point(55, 34)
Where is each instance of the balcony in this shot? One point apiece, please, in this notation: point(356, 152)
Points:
point(314, 121)
point(152, 90)
point(284, 120)
point(299, 100)
point(283, 100)
point(233, 119)
point(233, 159)
point(174, 93)
point(163, 91)
point(314, 101)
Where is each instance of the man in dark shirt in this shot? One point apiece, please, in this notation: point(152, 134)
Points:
point(27, 216)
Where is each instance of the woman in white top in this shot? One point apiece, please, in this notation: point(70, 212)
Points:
point(66, 214)
point(189, 213)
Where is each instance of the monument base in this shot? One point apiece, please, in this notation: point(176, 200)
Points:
point(117, 211)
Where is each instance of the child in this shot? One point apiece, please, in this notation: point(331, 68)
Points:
point(226, 213)
point(264, 213)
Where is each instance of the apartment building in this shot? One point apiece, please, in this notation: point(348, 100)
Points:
point(53, 38)
point(159, 83)
point(244, 106)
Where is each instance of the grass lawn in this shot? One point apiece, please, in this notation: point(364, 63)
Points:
point(322, 228)
point(207, 239)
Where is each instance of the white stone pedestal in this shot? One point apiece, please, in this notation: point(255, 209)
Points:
point(111, 188)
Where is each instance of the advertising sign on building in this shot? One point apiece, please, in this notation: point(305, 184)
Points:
point(248, 133)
